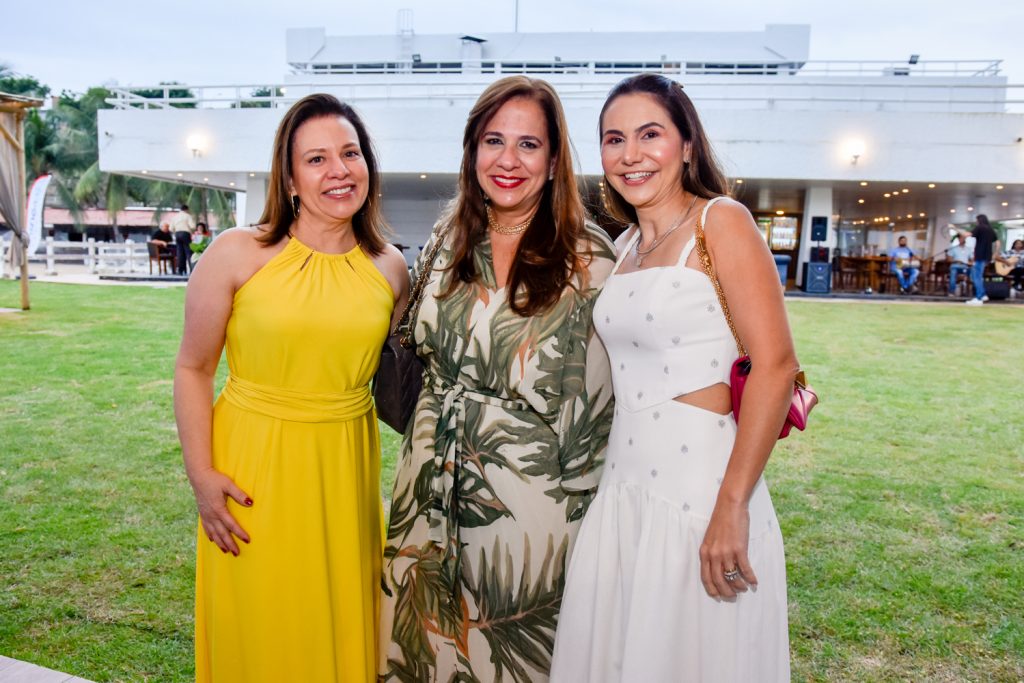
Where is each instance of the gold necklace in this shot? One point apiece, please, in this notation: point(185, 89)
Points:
point(658, 241)
point(497, 227)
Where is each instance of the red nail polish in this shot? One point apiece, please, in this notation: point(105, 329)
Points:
point(248, 502)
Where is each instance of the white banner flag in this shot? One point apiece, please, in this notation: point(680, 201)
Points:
point(36, 199)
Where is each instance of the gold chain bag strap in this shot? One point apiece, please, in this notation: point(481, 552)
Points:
point(399, 377)
point(804, 398)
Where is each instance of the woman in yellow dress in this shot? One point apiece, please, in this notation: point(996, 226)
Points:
point(285, 466)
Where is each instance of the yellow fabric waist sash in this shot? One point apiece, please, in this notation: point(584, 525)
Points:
point(297, 406)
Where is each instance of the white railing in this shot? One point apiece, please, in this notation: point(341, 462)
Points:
point(837, 82)
point(98, 257)
point(932, 67)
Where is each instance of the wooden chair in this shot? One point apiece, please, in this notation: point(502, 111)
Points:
point(887, 281)
point(846, 276)
point(936, 277)
point(163, 258)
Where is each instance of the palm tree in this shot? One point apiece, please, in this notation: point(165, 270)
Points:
point(63, 142)
point(202, 201)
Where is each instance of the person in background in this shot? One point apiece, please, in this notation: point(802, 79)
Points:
point(182, 226)
point(986, 243)
point(905, 266)
point(163, 238)
point(201, 239)
point(959, 257)
point(1014, 256)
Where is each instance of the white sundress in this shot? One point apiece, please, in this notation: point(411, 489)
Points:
point(634, 607)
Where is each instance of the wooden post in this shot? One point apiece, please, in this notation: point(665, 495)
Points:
point(19, 124)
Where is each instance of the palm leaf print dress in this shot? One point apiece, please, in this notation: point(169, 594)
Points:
point(497, 468)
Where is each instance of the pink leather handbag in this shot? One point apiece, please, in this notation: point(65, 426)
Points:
point(804, 398)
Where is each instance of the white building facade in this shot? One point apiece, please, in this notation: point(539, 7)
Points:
point(873, 149)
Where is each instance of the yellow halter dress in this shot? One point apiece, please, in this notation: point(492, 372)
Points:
point(295, 428)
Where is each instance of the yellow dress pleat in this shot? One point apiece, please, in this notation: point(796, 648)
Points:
point(295, 429)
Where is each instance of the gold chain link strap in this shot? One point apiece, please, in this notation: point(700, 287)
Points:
point(416, 295)
point(705, 262)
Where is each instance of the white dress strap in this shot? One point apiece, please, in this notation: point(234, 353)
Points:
point(704, 213)
point(625, 249)
point(693, 240)
point(687, 248)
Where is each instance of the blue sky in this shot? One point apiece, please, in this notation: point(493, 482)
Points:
point(72, 45)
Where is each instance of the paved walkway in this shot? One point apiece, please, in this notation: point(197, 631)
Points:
point(15, 671)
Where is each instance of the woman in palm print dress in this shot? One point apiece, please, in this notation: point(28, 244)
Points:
point(504, 451)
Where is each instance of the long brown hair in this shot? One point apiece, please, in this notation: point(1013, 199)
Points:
point(368, 223)
point(546, 258)
point(702, 176)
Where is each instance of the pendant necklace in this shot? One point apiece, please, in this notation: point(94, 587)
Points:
point(658, 241)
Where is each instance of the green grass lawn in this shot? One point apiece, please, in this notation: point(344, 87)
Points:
point(902, 506)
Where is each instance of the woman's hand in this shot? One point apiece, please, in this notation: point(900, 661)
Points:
point(212, 489)
point(724, 550)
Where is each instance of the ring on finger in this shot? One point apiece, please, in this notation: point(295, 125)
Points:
point(732, 574)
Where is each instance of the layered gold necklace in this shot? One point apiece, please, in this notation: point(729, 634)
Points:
point(497, 227)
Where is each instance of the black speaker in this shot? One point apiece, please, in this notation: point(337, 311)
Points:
point(997, 290)
point(819, 254)
point(818, 278)
point(819, 228)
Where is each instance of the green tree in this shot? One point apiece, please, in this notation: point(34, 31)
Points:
point(260, 104)
point(63, 142)
point(160, 93)
point(16, 84)
point(203, 202)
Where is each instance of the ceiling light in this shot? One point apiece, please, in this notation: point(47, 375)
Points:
point(863, 183)
point(1006, 203)
point(931, 186)
point(232, 183)
point(886, 195)
point(970, 208)
point(423, 176)
point(905, 190)
point(860, 201)
point(206, 180)
point(145, 172)
point(780, 212)
point(921, 214)
point(180, 174)
point(999, 187)
point(252, 175)
point(952, 210)
point(739, 181)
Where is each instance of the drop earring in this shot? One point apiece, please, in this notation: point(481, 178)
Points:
point(296, 205)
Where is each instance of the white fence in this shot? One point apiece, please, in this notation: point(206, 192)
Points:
point(98, 257)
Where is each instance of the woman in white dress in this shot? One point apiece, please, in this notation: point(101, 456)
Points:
point(679, 573)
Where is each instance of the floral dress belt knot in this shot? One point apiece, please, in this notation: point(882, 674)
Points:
point(448, 445)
